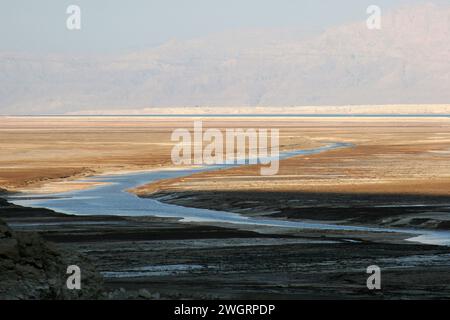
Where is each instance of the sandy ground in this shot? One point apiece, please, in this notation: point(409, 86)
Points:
point(397, 156)
point(393, 161)
point(46, 154)
point(404, 155)
point(39, 150)
point(403, 161)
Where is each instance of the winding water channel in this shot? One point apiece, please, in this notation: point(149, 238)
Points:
point(112, 198)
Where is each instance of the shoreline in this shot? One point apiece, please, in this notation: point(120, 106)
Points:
point(277, 205)
point(138, 138)
point(374, 210)
point(83, 181)
point(255, 224)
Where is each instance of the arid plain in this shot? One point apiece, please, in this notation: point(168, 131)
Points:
point(390, 155)
point(392, 161)
point(396, 174)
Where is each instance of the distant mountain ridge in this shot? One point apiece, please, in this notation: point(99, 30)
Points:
point(407, 62)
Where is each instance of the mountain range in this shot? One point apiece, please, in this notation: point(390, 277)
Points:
point(406, 62)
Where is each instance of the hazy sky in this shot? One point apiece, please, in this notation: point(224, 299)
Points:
point(114, 25)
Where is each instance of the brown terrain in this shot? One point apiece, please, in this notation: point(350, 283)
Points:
point(38, 153)
point(397, 174)
point(403, 155)
point(395, 156)
point(394, 161)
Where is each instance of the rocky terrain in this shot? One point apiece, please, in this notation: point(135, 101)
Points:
point(31, 268)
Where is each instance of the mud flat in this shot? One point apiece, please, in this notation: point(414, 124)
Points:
point(46, 154)
point(377, 210)
point(390, 156)
point(157, 258)
point(396, 174)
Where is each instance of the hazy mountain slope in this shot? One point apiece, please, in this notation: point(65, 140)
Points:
point(408, 61)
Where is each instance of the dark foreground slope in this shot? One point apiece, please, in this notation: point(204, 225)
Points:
point(152, 258)
point(31, 268)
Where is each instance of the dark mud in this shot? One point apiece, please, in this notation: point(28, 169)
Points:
point(157, 258)
point(408, 211)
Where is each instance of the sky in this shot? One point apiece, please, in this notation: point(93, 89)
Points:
point(118, 25)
